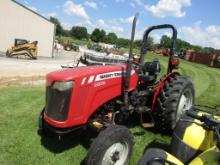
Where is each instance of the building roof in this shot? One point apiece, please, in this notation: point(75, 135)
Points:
point(32, 11)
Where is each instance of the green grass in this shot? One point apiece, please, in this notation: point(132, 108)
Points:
point(20, 107)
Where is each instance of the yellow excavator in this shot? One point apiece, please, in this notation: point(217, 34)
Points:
point(23, 47)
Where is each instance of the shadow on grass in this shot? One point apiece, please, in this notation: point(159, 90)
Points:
point(85, 138)
point(131, 121)
point(57, 145)
point(134, 121)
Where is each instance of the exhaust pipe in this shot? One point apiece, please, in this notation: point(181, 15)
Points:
point(129, 61)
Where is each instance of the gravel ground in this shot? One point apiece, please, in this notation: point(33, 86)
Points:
point(18, 71)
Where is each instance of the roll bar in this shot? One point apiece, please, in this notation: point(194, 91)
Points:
point(144, 46)
point(144, 51)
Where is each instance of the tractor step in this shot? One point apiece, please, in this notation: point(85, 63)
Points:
point(149, 123)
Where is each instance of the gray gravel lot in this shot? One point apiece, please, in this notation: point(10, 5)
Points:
point(15, 72)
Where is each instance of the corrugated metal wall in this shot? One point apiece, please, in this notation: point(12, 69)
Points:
point(201, 58)
point(18, 22)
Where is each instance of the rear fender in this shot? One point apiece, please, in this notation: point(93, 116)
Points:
point(161, 84)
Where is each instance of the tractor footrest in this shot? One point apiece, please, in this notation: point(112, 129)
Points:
point(148, 125)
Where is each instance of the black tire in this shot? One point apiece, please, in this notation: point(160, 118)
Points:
point(170, 101)
point(112, 136)
point(41, 128)
point(40, 121)
point(34, 58)
point(7, 54)
point(68, 48)
point(150, 154)
point(29, 54)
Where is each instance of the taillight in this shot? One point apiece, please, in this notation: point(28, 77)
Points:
point(175, 62)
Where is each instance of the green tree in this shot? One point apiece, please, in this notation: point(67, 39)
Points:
point(98, 35)
point(95, 35)
point(197, 48)
point(122, 42)
point(165, 42)
point(180, 44)
point(79, 32)
point(102, 35)
point(208, 50)
point(138, 43)
point(150, 43)
point(111, 38)
point(66, 33)
point(59, 28)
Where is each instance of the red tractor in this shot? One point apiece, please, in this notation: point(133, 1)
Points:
point(100, 97)
point(166, 52)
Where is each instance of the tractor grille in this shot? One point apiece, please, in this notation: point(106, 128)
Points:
point(57, 103)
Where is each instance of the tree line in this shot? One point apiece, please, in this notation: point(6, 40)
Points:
point(81, 33)
point(100, 35)
point(165, 42)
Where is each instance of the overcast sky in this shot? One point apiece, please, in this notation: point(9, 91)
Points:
point(197, 21)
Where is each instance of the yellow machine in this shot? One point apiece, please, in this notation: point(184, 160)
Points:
point(23, 48)
point(195, 141)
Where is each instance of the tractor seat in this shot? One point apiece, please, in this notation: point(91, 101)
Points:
point(153, 69)
point(148, 79)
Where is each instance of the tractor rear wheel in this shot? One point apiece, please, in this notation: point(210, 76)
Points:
point(112, 146)
point(174, 99)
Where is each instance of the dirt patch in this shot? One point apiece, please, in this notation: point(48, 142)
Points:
point(21, 81)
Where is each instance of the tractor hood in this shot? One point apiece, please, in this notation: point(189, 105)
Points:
point(79, 72)
point(74, 94)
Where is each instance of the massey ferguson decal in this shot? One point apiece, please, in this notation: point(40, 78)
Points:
point(104, 76)
point(110, 75)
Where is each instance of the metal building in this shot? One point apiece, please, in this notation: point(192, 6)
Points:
point(18, 21)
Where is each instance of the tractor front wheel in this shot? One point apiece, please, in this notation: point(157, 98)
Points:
point(7, 53)
point(112, 146)
point(41, 128)
point(174, 99)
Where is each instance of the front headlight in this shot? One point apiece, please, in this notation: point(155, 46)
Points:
point(63, 86)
